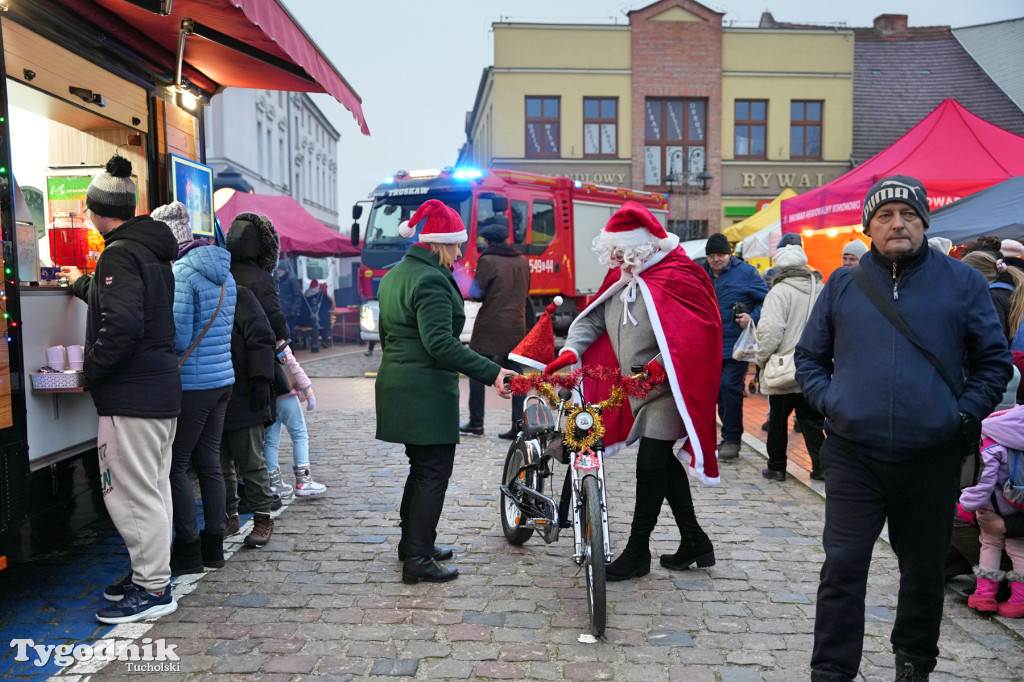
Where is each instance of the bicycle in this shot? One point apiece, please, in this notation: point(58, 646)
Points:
point(573, 437)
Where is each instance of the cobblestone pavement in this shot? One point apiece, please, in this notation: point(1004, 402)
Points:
point(325, 597)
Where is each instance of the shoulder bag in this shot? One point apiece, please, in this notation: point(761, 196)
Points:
point(779, 373)
point(969, 447)
point(205, 329)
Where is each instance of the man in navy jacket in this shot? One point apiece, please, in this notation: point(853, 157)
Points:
point(734, 282)
point(894, 425)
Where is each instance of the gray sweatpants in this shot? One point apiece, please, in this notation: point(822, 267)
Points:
point(135, 468)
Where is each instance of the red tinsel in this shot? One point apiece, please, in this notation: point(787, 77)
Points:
point(634, 386)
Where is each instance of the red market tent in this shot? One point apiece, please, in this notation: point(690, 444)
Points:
point(952, 151)
point(299, 231)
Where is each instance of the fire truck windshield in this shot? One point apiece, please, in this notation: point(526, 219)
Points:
point(389, 212)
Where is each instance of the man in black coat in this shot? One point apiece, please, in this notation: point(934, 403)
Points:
point(132, 371)
point(290, 296)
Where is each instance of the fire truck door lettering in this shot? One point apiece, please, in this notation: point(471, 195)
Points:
point(539, 266)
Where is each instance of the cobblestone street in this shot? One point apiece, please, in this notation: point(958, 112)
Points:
point(325, 597)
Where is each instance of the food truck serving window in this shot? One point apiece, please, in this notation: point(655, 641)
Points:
point(56, 150)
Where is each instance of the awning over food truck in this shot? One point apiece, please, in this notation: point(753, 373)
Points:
point(299, 231)
point(237, 43)
point(952, 151)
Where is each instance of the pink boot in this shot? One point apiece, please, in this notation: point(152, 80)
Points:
point(1014, 606)
point(984, 597)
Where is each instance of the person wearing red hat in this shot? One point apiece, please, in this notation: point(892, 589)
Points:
point(655, 306)
point(417, 387)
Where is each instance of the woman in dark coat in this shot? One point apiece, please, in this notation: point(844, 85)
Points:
point(417, 388)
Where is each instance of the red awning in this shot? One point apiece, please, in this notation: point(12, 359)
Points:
point(299, 231)
point(264, 25)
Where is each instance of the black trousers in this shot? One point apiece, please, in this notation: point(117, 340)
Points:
point(430, 467)
point(660, 476)
point(476, 396)
point(199, 428)
point(811, 426)
point(918, 496)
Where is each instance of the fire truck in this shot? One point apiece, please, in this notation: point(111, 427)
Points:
point(551, 220)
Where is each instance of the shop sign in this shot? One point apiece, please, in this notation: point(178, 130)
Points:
point(763, 179)
point(67, 188)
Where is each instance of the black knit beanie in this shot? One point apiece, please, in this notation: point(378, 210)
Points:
point(718, 243)
point(112, 194)
point(902, 188)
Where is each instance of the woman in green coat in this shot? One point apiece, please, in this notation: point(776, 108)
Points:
point(417, 389)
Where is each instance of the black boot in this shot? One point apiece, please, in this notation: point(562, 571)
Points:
point(694, 543)
point(689, 552)
point(440, 553)
point(634, 562)
point(186, 557)
point(212, 546)
point(417, 568)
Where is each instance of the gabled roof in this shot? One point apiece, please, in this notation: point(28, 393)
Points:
point(899, 77)
point(999, 50)
point(952, 151)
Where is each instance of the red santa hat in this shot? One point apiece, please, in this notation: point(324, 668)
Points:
point(537, 349)
point(633, 225)
point(440, 224)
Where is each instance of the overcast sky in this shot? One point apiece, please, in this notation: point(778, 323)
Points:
point(417, 63)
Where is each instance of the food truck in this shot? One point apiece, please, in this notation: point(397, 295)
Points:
point(81, 80)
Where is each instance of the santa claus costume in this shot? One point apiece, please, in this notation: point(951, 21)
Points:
point(656, 305)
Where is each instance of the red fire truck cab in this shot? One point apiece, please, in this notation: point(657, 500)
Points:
point(551, 220)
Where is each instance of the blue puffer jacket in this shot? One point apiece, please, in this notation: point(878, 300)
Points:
point(879, 391)
point(198, 275)
point(738, 281)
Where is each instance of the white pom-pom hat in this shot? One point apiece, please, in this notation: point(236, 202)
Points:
point(633, 225)
point(441, 224)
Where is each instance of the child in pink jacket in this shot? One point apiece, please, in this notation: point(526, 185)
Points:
point(1003, 441)
point(289, 413)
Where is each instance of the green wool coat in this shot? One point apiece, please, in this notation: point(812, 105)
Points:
point(421, 317)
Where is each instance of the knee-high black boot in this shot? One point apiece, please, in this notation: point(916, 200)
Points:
point(694, 544)
point(635, 560)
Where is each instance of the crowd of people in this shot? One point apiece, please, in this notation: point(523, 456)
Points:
point(189, 366)
point(844, 354)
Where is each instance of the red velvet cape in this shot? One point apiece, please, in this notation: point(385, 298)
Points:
point(684, 313)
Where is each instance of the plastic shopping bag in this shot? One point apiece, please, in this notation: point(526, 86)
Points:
point(746, 346)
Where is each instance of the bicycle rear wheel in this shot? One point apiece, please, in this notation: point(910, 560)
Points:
point(593, 548)
point(512, 519)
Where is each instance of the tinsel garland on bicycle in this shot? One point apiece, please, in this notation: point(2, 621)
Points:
point(623, 386)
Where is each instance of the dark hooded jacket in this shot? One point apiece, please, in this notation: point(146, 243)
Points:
point(502, 282)
point(254, 246)
point(130, 361)
point(252, 356)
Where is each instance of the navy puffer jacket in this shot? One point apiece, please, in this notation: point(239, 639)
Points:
point(877, 389)
point(741, 282)
point(198, 276)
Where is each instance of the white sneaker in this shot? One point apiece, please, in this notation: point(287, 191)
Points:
point(305, 486)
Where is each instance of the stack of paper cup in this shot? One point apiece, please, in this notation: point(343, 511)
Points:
point(55, 357)
point(76, 358)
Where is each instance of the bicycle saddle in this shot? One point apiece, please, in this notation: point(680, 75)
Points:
point(537, 419)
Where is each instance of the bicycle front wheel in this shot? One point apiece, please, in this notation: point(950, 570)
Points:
point(593, 547)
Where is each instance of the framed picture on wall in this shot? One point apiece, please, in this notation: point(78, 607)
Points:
point(192, 185)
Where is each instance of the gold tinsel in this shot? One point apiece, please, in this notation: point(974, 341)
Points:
point(572, 437)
